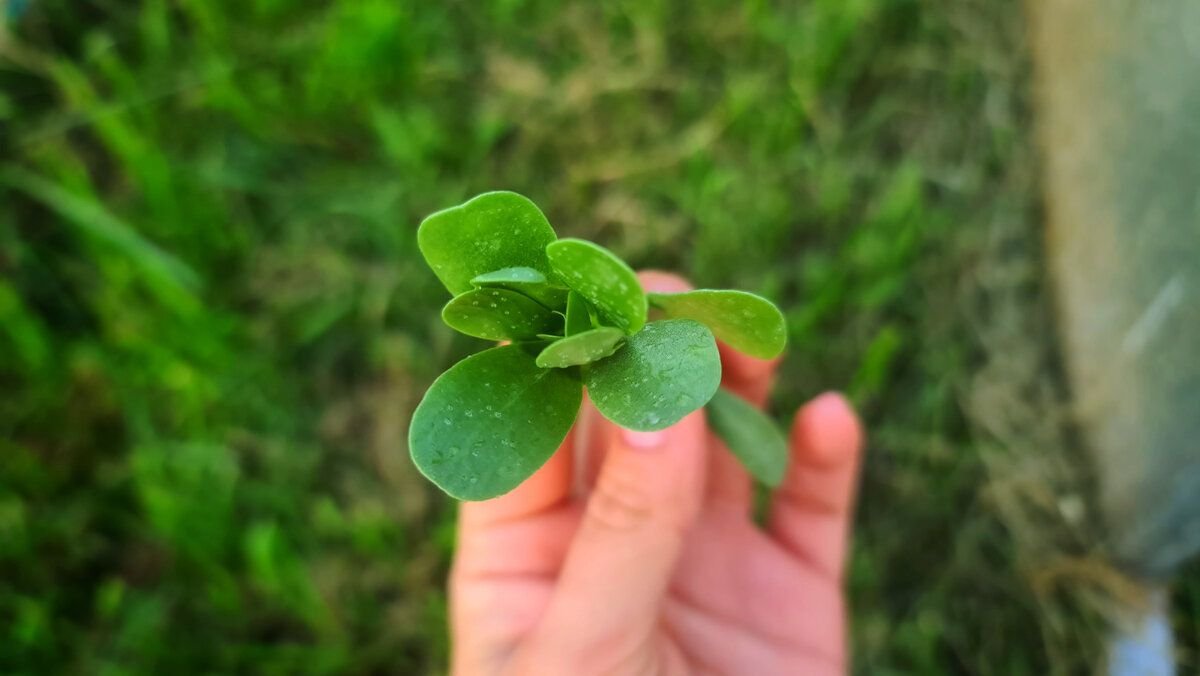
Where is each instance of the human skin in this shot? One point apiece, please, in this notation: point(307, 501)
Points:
point(644, 558)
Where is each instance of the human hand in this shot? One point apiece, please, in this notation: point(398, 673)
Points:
point(635, 553)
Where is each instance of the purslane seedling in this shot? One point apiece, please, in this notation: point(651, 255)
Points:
point(574, 316)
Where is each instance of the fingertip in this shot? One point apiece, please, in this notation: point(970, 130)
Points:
point(684, 435)
point(659, 281)
point(827, 430)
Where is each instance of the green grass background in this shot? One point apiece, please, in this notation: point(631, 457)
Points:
point(214, 320)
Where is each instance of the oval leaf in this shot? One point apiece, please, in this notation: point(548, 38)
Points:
point(499, 314)
point(602, 279)
point(491, 421)
point(750, 435)
point(525, 281)
point(581, 348)
point(665, 371)
point(746, 322)
point(510, 276)
point(493, 231)
point(578, 317)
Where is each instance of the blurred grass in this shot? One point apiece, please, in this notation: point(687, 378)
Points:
point(214, 320)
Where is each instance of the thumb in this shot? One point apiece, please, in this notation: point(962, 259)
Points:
point(615, 575)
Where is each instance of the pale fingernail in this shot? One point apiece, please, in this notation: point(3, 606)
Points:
point(644, 441)
point(829, 408)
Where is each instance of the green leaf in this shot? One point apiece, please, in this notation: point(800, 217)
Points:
point(602, 279)
point(581, 348)
point(578, 317)
point(499, 314)
point(493, 231)
point(746, 322)
point(509, 276)
point(665, 371)
point(750, 435)
point(491, 421)
point(526, 281)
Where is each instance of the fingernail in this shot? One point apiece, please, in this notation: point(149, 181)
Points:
point(644, 441)
point(833, 401)
point(829, 407)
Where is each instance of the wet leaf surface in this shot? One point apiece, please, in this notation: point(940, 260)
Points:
point(750, 435)
point(493, 231)
point(525, 281)
point(581, 348)
point(602, 279)
point(499, 314)
point(748, 323)
point(491, 421)
point(665, 371)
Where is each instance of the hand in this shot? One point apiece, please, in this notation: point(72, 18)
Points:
point(658, 568)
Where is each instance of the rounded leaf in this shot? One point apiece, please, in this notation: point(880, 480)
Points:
point(581, 348)
point(664, 372)
point(493, 231)
point(602, 279)
point(509, 276)
point(746, 322)
point(499, 314)
point(491, 421)
point(525, 281)
point(750, 435)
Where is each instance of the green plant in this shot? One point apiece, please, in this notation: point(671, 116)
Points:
point(574, 315)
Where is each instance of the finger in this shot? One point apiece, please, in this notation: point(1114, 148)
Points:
point(593, 436)
point(810, 514)
point(619, 565)
point(657, 281)
point(593, 431)
point(729, 484)
point(593, 441)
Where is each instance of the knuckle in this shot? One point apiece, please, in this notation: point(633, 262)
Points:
point(619, 503)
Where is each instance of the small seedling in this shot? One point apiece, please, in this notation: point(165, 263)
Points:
point(573, 315)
